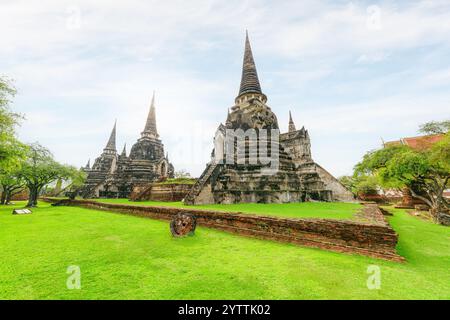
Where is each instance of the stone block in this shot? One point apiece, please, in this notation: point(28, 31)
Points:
point(21, 211)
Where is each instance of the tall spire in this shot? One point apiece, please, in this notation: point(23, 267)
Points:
point(291, 123)
point(124, 151)
point(88, 164)
point(249, 79)
point(111, 145)
point(150, 125)
point(228, 121)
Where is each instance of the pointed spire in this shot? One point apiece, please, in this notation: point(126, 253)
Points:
point(88, 164)
point(111, 145)
point(150, 125)
point(124, 151)
point(249, 79)
point(228, 121)
point(291, 123)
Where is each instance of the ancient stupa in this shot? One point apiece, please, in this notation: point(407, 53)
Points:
point(114, 175)
point(265, 166)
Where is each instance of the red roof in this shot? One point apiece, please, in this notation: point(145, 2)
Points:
point(418, 143)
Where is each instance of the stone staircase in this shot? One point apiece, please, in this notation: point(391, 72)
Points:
point(88, 191)
point(138, 194)
point(199, 184)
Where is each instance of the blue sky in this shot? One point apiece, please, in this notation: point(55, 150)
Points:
point(351, 72)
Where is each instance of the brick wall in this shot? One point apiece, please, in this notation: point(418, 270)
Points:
point(372, 237)
point(160, 192)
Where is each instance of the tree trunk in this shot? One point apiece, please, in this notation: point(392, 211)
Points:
point(429, 202)
point(440, 207)
point(9, 195)
point(3, 197)
point(32, 199)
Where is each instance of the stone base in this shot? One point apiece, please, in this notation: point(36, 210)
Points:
point(160, 192)
point(230, 197)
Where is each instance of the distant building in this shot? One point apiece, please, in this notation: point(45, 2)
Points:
point(417, 143)
point(114, 175)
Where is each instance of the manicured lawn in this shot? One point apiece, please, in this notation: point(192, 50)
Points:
point(291, 210)
point(129, 257)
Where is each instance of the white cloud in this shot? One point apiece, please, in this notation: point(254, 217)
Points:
point(372, 57)
point(79, 65)
point(437, 78)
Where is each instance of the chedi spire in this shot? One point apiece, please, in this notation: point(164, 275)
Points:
point(250, 87)
point(249, 79)
point(291, 123)
point(111, 145)
point(150, 126)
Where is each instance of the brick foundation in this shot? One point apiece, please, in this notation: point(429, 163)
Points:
point(371, 235)
point(160, 192)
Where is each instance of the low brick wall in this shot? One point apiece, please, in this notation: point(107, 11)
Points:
point(160, 192)
point(374, 238)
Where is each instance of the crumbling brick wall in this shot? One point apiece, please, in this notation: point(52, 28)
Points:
point(160, 192)
point(371, 235)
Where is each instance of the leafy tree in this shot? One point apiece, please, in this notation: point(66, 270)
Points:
point(425, 173)
point(365, 185)
point(435, 127)
point(77, 180)
point(11, 150)
point(347, 182)
point(11, 183)
point(361, 184)
point(40, 169)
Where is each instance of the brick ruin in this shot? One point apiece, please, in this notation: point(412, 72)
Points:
point(369, 234)
point(160, 192)
point(297, 177)
point(115, 175)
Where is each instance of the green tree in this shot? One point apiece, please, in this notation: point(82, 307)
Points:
point(361, 184)
point(435, 127)
point(425, 173)
point(77, 180)
point(40, 169)
point(11, 183)
point(11, 150)
point(365, 185)
point(347, 182)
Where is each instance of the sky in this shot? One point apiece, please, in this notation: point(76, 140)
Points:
point(352, 72)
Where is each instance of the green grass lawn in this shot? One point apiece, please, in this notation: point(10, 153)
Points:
point(129, 257)
point(329, 210)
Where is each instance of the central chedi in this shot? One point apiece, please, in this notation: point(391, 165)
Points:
point(253, 162)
